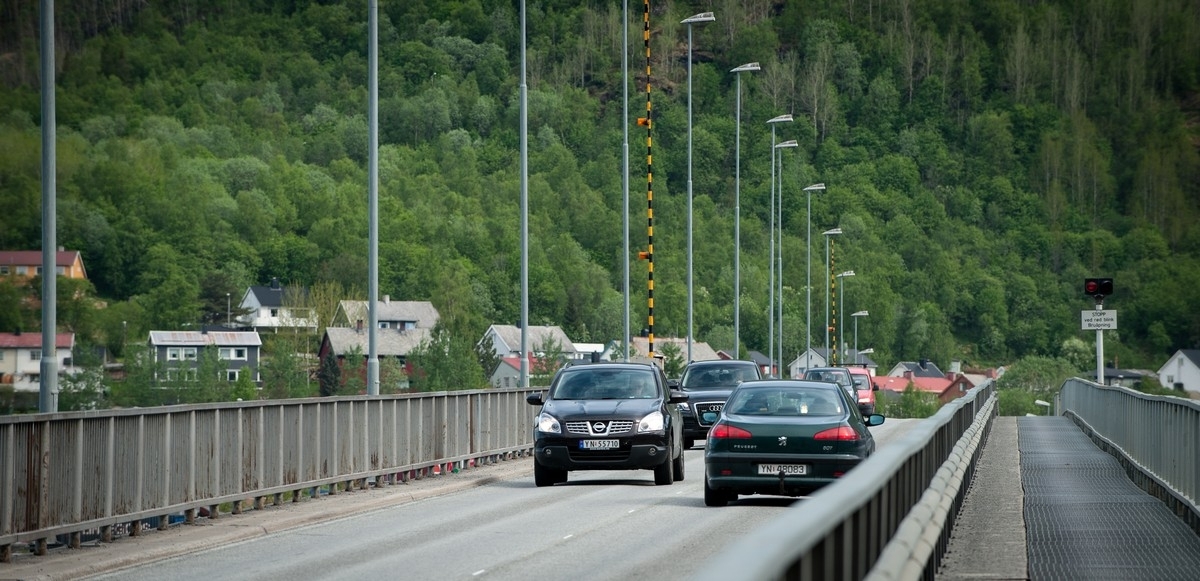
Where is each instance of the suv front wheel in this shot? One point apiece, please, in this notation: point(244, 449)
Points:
point(664, 473)
point(543, 476)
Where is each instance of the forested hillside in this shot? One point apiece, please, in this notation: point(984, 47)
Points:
point(982, 159)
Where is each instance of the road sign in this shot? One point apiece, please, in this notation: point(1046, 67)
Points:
point(1099, 320)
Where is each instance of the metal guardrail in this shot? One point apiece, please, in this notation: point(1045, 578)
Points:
point(898, 507)
point(65, 473)
point(1155, 438)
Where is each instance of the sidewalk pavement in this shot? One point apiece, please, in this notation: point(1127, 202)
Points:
point(94, 557)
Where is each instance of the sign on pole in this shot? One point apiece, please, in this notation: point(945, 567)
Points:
point(1099, 320)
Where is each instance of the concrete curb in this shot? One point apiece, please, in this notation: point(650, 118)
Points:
point(97, 558)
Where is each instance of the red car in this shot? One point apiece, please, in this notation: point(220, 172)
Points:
point(865, 389)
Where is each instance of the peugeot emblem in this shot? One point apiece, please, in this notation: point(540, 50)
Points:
point(782, 440)
point(598, 426)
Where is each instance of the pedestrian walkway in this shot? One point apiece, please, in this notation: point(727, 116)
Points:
point(1080, 516)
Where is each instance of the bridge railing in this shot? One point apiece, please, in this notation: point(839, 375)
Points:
point(1156, 438)
point(65, 473)
point(892, 519)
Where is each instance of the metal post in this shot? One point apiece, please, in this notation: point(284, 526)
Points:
point(524, 130)
point(625, 163)
point(771, 293)
point(373, 194)
point(697, 19)
point(828, 284)
point(48, 390)
point(808, 278)
point(737, 210)
point(1100, 350)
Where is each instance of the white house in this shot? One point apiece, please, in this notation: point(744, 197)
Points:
point(1182, 370)
point(389, 314)
point(273, 307)
point(21, 358)
point(821, 357)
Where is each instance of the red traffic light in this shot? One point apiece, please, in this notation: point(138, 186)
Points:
point(1098, 287)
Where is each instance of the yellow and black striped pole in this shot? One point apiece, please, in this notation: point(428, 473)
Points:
point(648, 255)
point(833, 303)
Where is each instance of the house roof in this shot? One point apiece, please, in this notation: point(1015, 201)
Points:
point(422, 313)
point(198, 338)
point(929, 369)
point(34, 257)
point(34, 341)
point(1192, 354)
point(388, 342)
point(936, 385)
point(700, 351)
point(538, 335)
point(272, 295)
point(759, 358)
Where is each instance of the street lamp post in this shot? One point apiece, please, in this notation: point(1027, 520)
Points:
point(841, 341)
point(737, 212)
point(701, 18)
point(228, 318)
point(771, 294)
point(808, 280)
point(856, 315)
point(828, 270)
point(786, 144)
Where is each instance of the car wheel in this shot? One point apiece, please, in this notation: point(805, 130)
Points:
point(543, 476)
point(664, 473)
point(679, 466)
point(714, 497)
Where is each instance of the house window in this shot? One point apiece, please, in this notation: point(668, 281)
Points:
point(39, 271)
point(62, 270)
point(189, 353)
point(385, 325)
point(274, 312)
point(22, 270)
point(233, 353)
point(173, 353)
point(231, 375)
point(409, 325)
point(175, 373)
point(4, 269)
point(35, 355)
point(1, 356)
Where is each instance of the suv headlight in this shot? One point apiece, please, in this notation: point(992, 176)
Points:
point(651, 423)
point(548, 424)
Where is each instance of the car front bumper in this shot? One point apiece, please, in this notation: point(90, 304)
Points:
point(635, 453)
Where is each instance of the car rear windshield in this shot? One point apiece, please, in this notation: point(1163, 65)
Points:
point(839, 377)
point(606, 384)
point(716, 376)
point(788, 401)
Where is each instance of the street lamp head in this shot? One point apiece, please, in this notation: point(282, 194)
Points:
point(788, 143)
point(748, 67)
point(832, 232)
point(815, 187)
point(780, 119)
point(860, 314)
point(699, 18)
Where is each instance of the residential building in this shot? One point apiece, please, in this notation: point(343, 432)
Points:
point(506, 341)
point(21, 359)
point(640, 346)
point(821, 357)
point(273, 307)
point(389, 314)
point(922, 368)
point(946, 388)
point(26, 264)
point(1182, 371)
point(395, 343)
point(178, 353)
point(508, 372)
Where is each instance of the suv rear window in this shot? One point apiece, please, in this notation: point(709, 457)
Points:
point(587, 383)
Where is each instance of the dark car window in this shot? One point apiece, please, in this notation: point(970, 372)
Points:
point(716, 376)
point(789, 401)
point(606, 384)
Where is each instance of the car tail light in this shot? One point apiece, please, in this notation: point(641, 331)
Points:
point(840, 433)
point(726, 431)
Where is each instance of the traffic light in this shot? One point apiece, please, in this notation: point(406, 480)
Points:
point(1098, 287)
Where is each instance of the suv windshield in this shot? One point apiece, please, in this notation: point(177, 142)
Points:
point(716, 376)
point(606, 384)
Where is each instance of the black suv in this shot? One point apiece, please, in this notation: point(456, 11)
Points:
point(608, 416)
point(708, 384)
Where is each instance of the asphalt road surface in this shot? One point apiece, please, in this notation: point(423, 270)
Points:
point(486, 523)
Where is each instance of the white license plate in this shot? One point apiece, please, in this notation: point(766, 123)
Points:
point(599, 444)
point(787, 469)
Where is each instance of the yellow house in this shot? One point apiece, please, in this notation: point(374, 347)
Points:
point(26, 264)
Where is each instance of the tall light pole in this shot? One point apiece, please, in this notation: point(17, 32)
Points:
point(228, 317)
point(625, 164)
point(808, 280)
point(856, 315)
point(737, 211)
point(771, 302)
point(841, 341)
point(784, 145)
point(524, 141)
point(828, 269)
point(689, 21)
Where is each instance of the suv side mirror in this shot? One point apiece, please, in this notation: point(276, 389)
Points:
point(534, 398)
point(672, 384)
point(677, 396)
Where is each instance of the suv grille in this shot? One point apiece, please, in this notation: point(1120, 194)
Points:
point(600, 427)
point(701, 408)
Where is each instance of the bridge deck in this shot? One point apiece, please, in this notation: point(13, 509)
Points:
point(1046, 503)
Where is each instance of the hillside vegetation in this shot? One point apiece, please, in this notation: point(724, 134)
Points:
point(982, 159)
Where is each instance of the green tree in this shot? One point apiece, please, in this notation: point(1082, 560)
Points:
point(329, 377)
point(673, 359)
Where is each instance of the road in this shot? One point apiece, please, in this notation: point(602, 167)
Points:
point(599, 525)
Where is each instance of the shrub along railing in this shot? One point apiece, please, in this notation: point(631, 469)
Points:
point(66, 473)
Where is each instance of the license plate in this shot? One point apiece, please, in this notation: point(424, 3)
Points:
point(787, 469)
point(599, 444)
